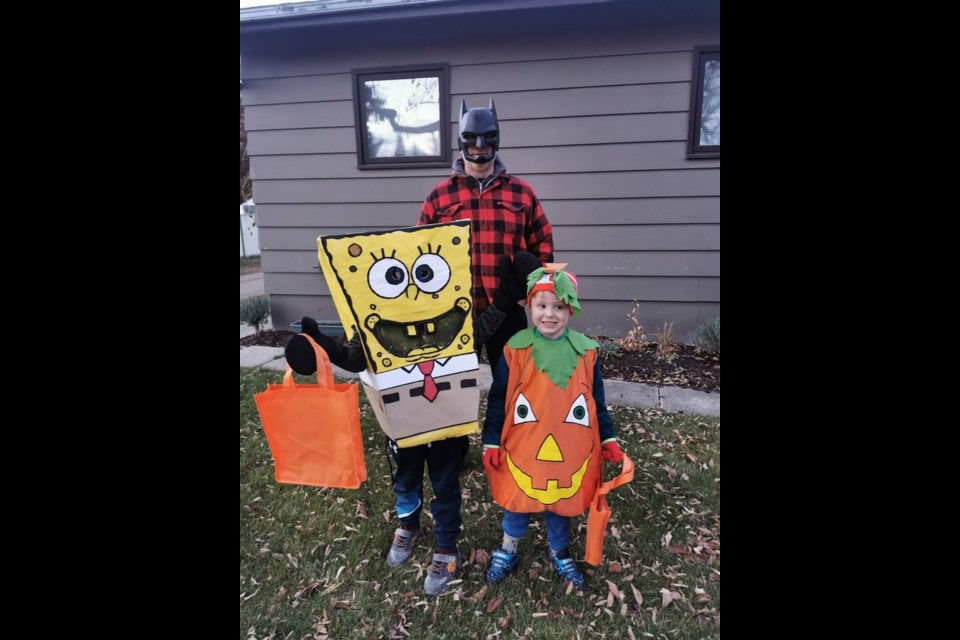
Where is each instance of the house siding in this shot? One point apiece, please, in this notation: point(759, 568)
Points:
point(596, 123)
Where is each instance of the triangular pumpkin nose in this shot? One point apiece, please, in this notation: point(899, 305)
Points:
point(550, 451)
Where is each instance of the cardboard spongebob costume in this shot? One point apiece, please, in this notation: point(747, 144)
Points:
point(406, 293)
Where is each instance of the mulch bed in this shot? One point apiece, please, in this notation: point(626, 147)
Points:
point(683, 368)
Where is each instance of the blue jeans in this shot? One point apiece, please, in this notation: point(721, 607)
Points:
point(558, 528)
point(443, 460)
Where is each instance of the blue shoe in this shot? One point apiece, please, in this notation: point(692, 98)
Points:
point(501, 563)
point(567, 569)
point(442, 571)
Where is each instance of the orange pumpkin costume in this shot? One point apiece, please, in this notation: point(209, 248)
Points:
point(550, 432)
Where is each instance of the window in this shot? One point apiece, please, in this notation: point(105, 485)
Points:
point(704, 135)
point(402, 117)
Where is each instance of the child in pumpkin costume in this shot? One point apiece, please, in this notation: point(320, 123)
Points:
point(547, 426)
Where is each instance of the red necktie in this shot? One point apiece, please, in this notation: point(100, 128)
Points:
point(429, 386)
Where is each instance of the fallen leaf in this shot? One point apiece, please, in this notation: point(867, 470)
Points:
point(614, 591)
point(667, 596)
point(493, 604)
point(637, 596)
point(482, 558)
point(307, 589)
point(614, 567)
point(690, 457)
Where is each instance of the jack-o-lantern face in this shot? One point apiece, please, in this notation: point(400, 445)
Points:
point(551, 444)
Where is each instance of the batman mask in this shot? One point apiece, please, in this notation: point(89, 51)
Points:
point(478, 128)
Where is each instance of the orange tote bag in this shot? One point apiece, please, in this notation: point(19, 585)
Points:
point(314, 429)
point(600, 513)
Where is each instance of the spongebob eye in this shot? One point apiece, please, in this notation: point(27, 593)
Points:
point(431, 272)
point(388, 277)
point(522, 411)
point(578, 412)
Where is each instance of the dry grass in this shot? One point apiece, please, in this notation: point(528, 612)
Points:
point(249, 265)
point(634, 339)
point(666, 347)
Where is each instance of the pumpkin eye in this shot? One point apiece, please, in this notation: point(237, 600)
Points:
point(578, 413)
point(522, 411)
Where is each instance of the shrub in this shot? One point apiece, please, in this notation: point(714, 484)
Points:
point(255, 311)
point(607, 348)
point(706, 337)
point(633, 341)
point(666, 348)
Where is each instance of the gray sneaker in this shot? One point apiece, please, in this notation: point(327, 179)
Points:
point(402, 547)
point(443, 569)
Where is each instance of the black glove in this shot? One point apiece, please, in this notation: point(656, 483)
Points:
point(300, 355)
point(513, 279)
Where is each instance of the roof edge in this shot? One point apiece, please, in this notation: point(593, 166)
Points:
point(341, 12)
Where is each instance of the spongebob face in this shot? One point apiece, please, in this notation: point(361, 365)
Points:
point(406, 291)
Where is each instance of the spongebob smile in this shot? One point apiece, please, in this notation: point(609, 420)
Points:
point(421, 339)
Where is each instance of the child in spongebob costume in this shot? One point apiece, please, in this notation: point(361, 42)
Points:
point(547, 426)
point(406, 296)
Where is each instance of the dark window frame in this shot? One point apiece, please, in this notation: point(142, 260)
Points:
point(360, 108)
point(695, 150)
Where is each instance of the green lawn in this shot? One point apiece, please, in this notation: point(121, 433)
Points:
point(311, 560)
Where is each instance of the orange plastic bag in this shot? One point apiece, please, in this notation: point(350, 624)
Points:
point(600, 513)
point(314, 429)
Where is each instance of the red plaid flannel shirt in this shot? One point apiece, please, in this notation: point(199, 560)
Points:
point(507, 217)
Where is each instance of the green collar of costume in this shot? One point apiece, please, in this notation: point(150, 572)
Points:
point(556, 358)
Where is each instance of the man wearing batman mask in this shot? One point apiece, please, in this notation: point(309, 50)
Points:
point(505, 211)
